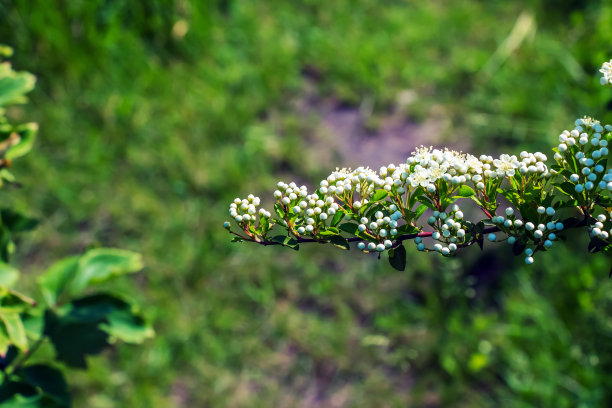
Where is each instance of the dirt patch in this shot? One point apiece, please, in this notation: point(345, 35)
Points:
point(394, 140)
point(348, 132)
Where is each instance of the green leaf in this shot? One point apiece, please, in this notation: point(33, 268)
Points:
point(8, 275)
point(14, 85)
point(415, 196)
point(465, 191)
point(397, 258)
point(596, 245)
point(16, 394)
point(379, 195)
point(17, 222)
point(339, 241)
point(14, 327)
point(567, 188)
point(5, 342)
point(74, 274)
point(350, 228)
point(329, 231)
point(420, 211)
point(27, 135)
point(117, 317)
point(407, 229)
point(337, 218)
point(74, 341)
point(102, 264)
point(49, 382)
point(286, 241)
point(55, 280)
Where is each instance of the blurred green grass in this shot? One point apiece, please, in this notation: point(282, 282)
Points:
point(155, 114)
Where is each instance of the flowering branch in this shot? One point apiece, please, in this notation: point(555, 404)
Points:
point(379, 210)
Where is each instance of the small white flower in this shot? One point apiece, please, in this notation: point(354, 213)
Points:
point(606, 70)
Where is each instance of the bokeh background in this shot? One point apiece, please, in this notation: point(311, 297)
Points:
point(155, 114)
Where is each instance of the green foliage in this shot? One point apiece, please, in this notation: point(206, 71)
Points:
point(76, 321)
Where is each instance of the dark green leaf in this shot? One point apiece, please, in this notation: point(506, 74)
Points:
point(48, 381)
point(596, 245)
point(74, 341)
point(397, 258)
point(337, 218)
point(349, 227)
point(518, 248)
point(17, 222)
point(567, 188)
point(338, 241)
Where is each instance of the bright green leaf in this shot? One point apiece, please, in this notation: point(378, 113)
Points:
point(101, 264)
point(379, 195)
point(14, 327)
point(465, 191)
point(8, 275)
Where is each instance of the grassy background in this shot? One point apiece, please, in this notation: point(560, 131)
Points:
point(154, 115)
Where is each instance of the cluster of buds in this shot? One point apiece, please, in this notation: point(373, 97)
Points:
point(449, 231)
point(601, 229)
point(382, 229)
point(255, 223)
point(583, 153)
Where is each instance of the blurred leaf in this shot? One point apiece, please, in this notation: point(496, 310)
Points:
point(74, 274)
point(73, 341)
point(101, 264)
point(14, 327)
point(17, 222)
point(14, 85)
point(49, 382)
point(8, 275)
point(56, 279)
point(116, 316)
point(27, 136)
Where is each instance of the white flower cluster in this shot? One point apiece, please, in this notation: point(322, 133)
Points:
point(310, 210)
point(345, 183)
point(586, 145)
point(606, 70)
point(598, 229)
point(431, 165)
point(244, 211)
point(382, 228)
point(449, 231)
